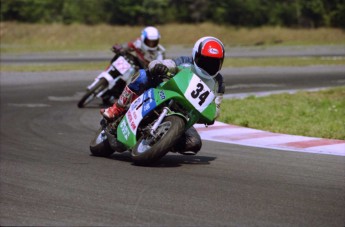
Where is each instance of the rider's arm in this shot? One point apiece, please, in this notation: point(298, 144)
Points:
point(160, 53)
point(172, 63)
point(183, 60)
point(160, 56)
point(167, 62)
point(220, 92)
point(221, 84)
point(117, 48)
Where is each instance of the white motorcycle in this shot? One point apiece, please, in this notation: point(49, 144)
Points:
point(109, 84)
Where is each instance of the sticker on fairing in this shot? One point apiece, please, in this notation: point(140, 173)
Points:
point(133, 115)
point(149, 102)
point(133, 119)
point(162, 94)
point(199, 94)
point(124, 130)
point(121, 64)
point(139, 108)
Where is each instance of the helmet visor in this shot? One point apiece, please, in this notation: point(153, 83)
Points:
point(210, 65)
point(151, 43)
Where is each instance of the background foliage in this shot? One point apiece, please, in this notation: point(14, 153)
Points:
point(249, 13)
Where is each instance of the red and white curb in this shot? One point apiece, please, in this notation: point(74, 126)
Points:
point(225, 133)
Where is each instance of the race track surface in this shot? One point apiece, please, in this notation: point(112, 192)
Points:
point(49, 178)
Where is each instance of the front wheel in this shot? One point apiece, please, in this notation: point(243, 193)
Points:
point(149, 149)
point(92, 93)
point(100, 146)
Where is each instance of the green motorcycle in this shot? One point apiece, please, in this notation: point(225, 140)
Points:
point(158, 118)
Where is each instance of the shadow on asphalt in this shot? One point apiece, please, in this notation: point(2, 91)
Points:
point(168, 161)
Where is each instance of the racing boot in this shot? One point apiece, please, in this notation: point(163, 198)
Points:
point(119, 107)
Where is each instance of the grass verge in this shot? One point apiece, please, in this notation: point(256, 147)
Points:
point(315, 114)
point(53, 67)
point(23, 37)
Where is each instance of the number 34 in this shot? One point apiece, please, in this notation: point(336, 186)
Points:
point(199, 94)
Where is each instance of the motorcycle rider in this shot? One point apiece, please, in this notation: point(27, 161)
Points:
point(145, 48)
point(206, 62)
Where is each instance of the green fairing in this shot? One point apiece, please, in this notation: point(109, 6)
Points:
point(207, 116)
point(131, 139)
point(175, 89)
point(179, 83)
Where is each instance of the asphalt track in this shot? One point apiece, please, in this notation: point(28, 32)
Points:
point(48, 177)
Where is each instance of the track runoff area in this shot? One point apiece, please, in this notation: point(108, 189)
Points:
point(226, 133)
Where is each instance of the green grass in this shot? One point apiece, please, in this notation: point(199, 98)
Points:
point(283, 61)
point(315, 114)
point(53, 67)
point(19, 38)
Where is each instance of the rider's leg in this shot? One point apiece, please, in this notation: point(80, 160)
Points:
point(120, 106)
point(129, 94)
point(189, 143)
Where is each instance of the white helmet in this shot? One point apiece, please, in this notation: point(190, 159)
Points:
point(208, 56)
point(149, 38)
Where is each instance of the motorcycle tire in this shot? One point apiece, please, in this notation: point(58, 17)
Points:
point(92, 93)
point(170, 129)
point(99, 146)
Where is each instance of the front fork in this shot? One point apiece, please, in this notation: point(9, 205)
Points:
point(164, 113)
point(159, 121)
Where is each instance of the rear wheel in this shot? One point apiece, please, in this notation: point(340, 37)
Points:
point(91, 94)
point(150, 149)
point(100, 146)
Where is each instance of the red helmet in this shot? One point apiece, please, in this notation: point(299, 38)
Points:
point(208, 56)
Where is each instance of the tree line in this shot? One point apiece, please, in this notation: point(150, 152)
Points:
point(247, 13)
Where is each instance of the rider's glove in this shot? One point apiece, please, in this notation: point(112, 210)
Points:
point(117, 48)
point(159, 70)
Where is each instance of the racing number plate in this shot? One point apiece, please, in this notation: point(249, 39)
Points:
point(121, 64)
point(199, 94)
